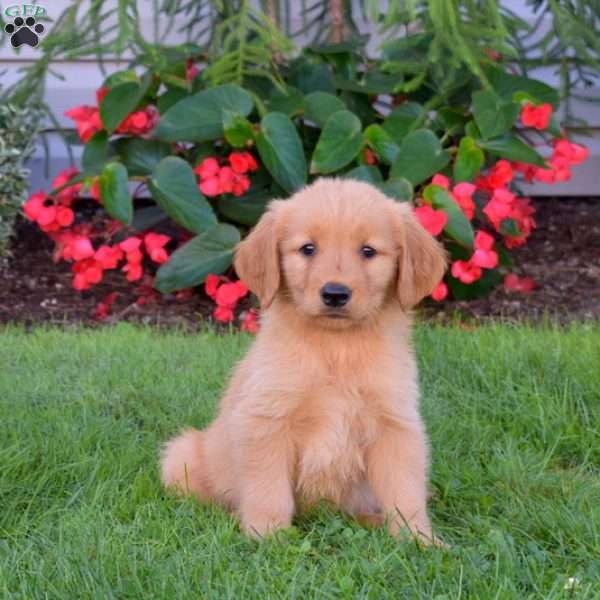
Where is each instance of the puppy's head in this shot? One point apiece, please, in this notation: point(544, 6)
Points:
point(340, 250)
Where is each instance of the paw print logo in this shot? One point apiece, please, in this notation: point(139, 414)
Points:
point(24, 31)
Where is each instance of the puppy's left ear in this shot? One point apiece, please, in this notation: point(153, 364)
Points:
point(257, 257)
point(422, 260)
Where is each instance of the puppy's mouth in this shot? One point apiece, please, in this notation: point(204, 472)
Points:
point(335, 314)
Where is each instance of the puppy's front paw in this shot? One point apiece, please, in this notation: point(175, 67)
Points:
point(260, 526)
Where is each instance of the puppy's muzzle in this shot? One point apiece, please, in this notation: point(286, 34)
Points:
point(335, 295)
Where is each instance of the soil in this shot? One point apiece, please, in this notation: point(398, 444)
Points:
point(562, 256)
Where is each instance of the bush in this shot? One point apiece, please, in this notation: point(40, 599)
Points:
point(18, 129)
point(205, 158)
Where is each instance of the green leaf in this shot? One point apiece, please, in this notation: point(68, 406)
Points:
point(402, 120)
point(209, 252)
point(458, 227)
point(238, 130)
point(96, 154)
point(381, 143)
point(506, 85)
point(472, 130)
point(397, 188)
point(373, 83)
point(290, 102)
point(469, 160)
point(366, 173)
point(140, 155)
point(281, 151)
point(120, 101)
point(143, 219)
point(512, 148)
point(246, 209)
point(320, 106)
point(171, 97)
point(339, 143)
point(421, 156)
point(311, 77)
point(490, 279)
point(119, 77)
point(114, 190)
point(493, 117)
point(199, 118)
point(174, 188)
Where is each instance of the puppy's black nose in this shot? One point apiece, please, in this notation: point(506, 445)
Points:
point(335, 294)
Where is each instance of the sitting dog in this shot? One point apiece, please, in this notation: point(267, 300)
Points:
point(325, 404)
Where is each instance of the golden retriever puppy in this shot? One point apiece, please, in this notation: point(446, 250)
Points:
point(325, 404)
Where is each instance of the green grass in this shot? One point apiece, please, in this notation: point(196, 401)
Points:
point(513, 415)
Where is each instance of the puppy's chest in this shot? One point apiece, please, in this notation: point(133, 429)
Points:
point(333, 430)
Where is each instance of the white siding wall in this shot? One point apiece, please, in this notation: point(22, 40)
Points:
point(81, 78)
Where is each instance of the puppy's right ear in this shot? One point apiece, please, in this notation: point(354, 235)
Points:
point(257, 257)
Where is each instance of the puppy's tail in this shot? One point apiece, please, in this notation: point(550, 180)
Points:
point(183, 464)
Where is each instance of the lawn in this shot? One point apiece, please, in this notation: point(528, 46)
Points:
point(513, 414)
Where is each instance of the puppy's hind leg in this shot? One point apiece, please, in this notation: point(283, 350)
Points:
point(183, 464)
point(360, 502)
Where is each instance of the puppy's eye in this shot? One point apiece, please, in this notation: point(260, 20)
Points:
point(368, 252)
point(308, 249)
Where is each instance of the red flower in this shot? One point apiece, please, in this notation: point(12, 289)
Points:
point(209, 167)
point(249, 320)
point(369, 156)
point(514, 283)
point(432, 220)
point(226, 295)
point(81, 248)
point(466, 272)
point(134, 271)
point(34, 205)
point(68, 194)
point(87, 121)
point(499, 207)
point(232, 182)
point(210, 187)
point(216, 180)
point(130, 244)
point(211, 283)
point(108, 256)
point(87, 273)
point(522, 212)
point(440, 292)
point(191, 71)
point(242, 162)
point(441, 180)
point(537, 117)
point(575, 154)
point(154, 243)
point(139, 122)
point(463, 195)
point(223, 314)
point(65, 216)
point(229, 294)
point(528, 171)
point(484, 256)
point(500, 175)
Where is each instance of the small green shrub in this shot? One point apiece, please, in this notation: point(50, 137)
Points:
point(18, 130)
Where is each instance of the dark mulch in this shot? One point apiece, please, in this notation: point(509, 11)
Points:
point(563, 256)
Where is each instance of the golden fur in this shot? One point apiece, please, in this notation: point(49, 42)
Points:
point(325, 404)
